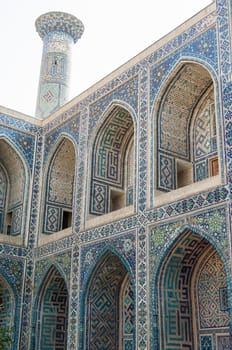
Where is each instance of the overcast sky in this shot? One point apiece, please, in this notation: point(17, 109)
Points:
point(115, 31)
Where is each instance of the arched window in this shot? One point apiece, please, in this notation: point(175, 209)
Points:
point(59, 188)
point(12, 190)
point(187, 143)
point(111, 176)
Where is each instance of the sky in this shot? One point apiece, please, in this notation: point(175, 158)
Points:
point(115, 31)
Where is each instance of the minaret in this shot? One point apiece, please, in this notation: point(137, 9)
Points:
point(59, 31)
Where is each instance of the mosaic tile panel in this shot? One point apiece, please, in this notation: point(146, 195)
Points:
point(108, 159)
point(224, 342)
point(198, 43)
point(60, 186)
point(62, 171)
point(70, 128)
point(206, 343)
point(62, 261)
point(175, 292)
point(102, 303)
point(125, 95)
point(128, 316)
point(7, 305)
point(122, 250)
point(176, 108)
point(22, 142)
point(3, 193)
point(53, 319)
point(212, 279)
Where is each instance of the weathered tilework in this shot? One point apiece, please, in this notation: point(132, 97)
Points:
point(13, 251)
point(109, 230)
point(53, 247)
point(69, 128)
point(62, 261)
point(73, 330)
point(108, 159)
point(103, 304)
point(176, 108)
point(121, 247)
point(214, 221)
point(125, 95)
point(19, 124)
point(52, 313)
point(59, 190)
point(128, 315)
point(224, 39)
point(80, 185)
point(195, 202)
point(211, 224)
point(206, 343)
point(212, 314)
point(176, 319)
point(12, 271)
point(166, 180)
point(206, 44)
point(23, 143)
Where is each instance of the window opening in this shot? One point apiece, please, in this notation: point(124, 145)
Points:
point(66, 219)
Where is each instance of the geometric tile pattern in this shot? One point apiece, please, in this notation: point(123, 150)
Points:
point(108, 158)
point(102, 303)
point(177, 106)
point(136, 87)
point(3, 193)
point(175, 292)
point(211, 279)
point(60, 182)
point(128, 316)
point(206, 343)
point(53, 308)
point(7, 305)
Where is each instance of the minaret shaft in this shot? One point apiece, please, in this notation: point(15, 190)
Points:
point(58, 31)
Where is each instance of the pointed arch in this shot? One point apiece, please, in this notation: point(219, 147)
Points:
point(7, 308)
point(59, 185)
point(189, 94)
point(51, 312)
point(184, 294)
point(109, 306)
point(109, 186)
point(14, 179)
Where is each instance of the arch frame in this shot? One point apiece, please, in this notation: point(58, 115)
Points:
point(50, 159)
point(92, 137)
point(27, 194)
point(170, 74)
point(38, 301)
point(86, 284)
point(156, 278)
point(17, 299)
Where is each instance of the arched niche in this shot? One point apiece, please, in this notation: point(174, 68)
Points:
point(7, 309)
point(52, 312)
point(58, 205)
point(187, 149)
point(12, 190)
point(113, 149)
point(109, 307)
point(193, 296)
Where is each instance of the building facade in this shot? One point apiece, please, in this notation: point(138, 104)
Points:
point(115, 208)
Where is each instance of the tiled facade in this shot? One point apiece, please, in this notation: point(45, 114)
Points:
point(115, 210)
